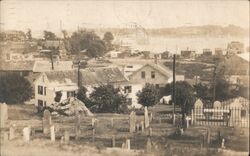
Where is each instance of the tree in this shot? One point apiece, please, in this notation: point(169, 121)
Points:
point(107, 98)
point(58, 96)
point(222, 90)
point(184, 96)
point(149, 95)
point(14, 89)
point(81, 95)
point(65, 34)
point(108, 38)
point(88, 41)
point(49, 35)
point(202, 91)
point(29, 35)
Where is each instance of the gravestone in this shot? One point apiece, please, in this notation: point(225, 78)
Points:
point(128, 144)
point(113, 141)
point(151, 117)
point(112, 122)
point(223, 143)
point(137, 127)
point(198, 104)
point(66, 137)
point(150, 131)
point(217, 104)
point(149, 146)
point(77, 125)
point(132, 122)
point(46, 121)
point(52, 133)
point(142, 126)
point(26, 134)
point(123, 145)
point(12, 132)
point(3, 114)
point(93, 122)
point(93, 135)
point(146, 118)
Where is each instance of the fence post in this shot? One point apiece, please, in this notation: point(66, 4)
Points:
point(192, 116)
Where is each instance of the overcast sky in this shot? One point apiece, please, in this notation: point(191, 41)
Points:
point(42, 14)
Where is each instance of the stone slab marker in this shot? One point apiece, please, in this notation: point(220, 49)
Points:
point(26, 134)
point(77, 125)
point(52, 133)
point(12, 132)
point(128, 144)
point(66, 136)
point(142, 126)
point(93, 135)
point(3, 114)
point(217, 104)
point(113, 141)
point(149, 146)
point(132, 122)
point(146, 118)
point(46, 121)
point(150, 131)
point(150, 117)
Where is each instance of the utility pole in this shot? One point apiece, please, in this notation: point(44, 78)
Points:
point(78, 74)
point(173, 91)
point(214, 82)
point(51, 59)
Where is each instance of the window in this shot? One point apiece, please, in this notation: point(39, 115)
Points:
point(70, 94)
point(40, 103)
point(152, 74)
point(143, 74)
point(127, 89)
point(243, 113)
point(40, 90)
point(129, 101)
point(44, 90)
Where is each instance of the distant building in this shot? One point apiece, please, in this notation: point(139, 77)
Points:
point(188, 54)
point(235, 47)
point(218, 52)
point(207, 52)
point(165, 55)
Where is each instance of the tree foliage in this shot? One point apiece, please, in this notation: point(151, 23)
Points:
point(184, 95)
point(48, 35)
point(86, 41)
point(107, 98)
point(108, 38)
point(202, 91)
point(81, 95)
point(14, 89)
point(29, 35)
point(149, 95)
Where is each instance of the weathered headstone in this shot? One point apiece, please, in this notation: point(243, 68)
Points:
point(3, 114)
point(62, 139)
point(93, 135)
point(77, 125)
point(112, 122)
point(66, 137)
point(137, 127)
point(132, 122)
point(128, 144)
point(52, 133)
point(26, 134)
point(113, 141)
point(93, 122)
point(123, 145)
point(149, 146)
point(223, 143)
point(146, 118)
point(142, 126)
point(151, 117)
point(217, 104)
point(46, 121)
point(150, 131)
point(12, 132)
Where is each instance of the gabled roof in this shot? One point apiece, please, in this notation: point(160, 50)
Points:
point(89, 76)
point(244, 56)
point(16, 65)
point(163, 70)
point(44, 66)
point(102, 76)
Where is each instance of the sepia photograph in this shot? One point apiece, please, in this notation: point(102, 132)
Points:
point(124, 77)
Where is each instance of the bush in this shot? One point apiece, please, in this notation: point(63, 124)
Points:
point(14, 89)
